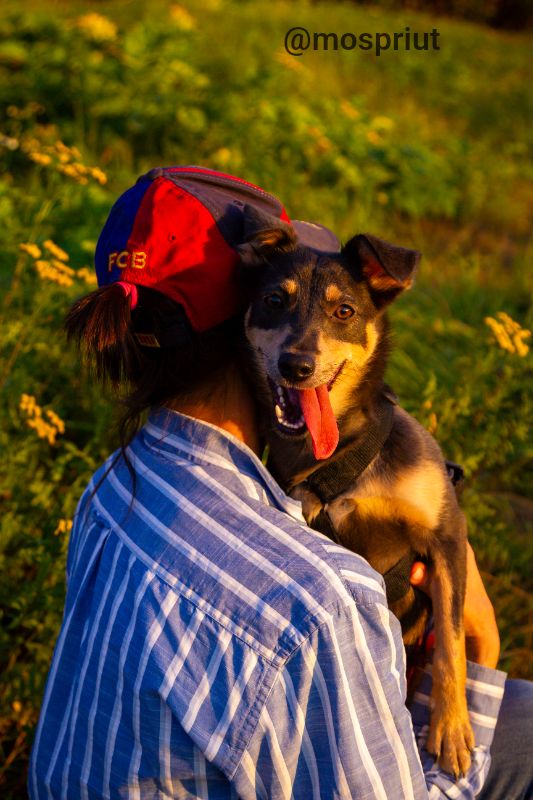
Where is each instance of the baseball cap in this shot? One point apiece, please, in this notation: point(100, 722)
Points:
point(176, 231)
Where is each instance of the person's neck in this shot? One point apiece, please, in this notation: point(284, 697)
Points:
point(226, 404)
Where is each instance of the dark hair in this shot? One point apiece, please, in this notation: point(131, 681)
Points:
point(185, 366)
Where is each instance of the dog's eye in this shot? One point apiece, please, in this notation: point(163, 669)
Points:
point(344, 312)
point(274, 300)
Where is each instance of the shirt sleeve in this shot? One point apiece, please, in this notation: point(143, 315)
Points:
point(335, 724)
point(484, 693)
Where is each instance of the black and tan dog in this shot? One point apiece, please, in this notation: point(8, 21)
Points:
point(317, 333)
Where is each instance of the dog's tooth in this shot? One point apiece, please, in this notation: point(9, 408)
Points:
point(279, 413)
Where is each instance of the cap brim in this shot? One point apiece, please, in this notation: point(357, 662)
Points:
point(316, 236)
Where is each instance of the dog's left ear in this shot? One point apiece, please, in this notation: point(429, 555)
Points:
point(263, 236)
point(387, 268)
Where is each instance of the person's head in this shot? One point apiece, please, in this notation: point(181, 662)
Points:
point(164, 324)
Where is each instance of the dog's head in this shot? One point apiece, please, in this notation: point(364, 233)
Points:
point(313, 321)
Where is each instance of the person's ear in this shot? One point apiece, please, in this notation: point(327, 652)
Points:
point(386, 268)
point(263, 236)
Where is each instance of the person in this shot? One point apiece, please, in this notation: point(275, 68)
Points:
point(212, 645)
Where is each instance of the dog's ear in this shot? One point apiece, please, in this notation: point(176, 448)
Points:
point(263, 236)
point(387, 268)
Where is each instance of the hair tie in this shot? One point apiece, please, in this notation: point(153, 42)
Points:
point(130, 290)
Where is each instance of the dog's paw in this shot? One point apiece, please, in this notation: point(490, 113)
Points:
point(311, 505)
point(451, 740)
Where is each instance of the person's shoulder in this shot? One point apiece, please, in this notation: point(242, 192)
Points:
point(299, 574)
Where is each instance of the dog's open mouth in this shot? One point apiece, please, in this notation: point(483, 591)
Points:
point(300, 410)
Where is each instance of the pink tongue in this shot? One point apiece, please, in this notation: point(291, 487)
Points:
point(320, 420)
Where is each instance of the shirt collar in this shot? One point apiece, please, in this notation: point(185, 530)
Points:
point(186, 438)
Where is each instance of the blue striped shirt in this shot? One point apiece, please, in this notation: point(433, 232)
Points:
point(214, 646)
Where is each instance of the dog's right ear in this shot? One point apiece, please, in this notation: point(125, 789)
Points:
point(264, 235)
point(386, 268)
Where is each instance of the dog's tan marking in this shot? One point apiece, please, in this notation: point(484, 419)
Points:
point(416, 496)
point(356, 357)
point(383, 508)
point(333, 293)
point(423, 486)
point(289, 286)
point(450, 734)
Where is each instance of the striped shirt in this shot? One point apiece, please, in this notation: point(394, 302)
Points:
point(213, 646)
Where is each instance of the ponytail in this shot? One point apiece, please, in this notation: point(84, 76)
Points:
point(171, 362)
point(101, 325)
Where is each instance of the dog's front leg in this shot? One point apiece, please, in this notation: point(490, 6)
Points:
point(450, 734)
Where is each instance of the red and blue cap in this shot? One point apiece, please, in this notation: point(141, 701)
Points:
point(176, 231)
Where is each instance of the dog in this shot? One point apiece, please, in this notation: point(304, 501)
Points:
point(317, 343)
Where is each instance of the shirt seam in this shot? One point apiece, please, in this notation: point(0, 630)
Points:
point(343, 606)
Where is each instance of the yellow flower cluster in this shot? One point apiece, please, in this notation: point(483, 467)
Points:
point(54, 268)
point(97, 27)
point(55, 271)
point(64, 159)
point(63, 526)
point(509, 334)
point(45, 429)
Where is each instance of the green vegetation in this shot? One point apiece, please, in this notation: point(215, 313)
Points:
point(426, 149)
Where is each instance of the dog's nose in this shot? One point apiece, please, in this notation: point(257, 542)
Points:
point(296, 367)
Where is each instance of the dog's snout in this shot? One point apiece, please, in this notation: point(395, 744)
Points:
point(296, 367)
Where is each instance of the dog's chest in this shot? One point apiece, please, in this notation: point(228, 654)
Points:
point(412, 496)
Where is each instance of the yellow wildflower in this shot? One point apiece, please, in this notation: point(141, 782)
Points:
point(49, 271)
point(9, 141)
point(55, 250)
point(349, 111)
point(27, 403)
point(16, 705)
point(62, 267)
point(44, 429)
point(56, 421)
point(383, 123)
point(98, 175)
point(382, 198)
point(63, 526)
point(509, 334)
point(373, 137)
point(181, 18)
point(87, 275)
point(222, 156)
point(31, 249)
point(40, 158)
point(97, 27)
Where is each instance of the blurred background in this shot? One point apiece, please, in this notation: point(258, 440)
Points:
point(431, 150)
